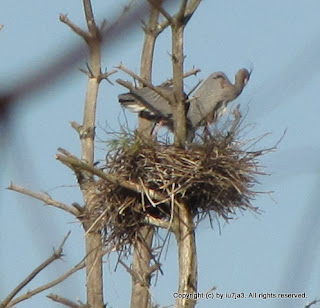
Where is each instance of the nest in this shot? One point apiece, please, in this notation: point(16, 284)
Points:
point(215, 175)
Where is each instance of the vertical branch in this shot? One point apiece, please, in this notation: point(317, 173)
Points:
point(183, 228)
point(183, 220)
point(93, 241)
point(94, 281)
point(178, 109)
point(140, 295)
point(151, 34)
point(183, 225)
point(93, 39)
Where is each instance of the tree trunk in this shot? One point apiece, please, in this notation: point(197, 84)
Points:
point(187, 254)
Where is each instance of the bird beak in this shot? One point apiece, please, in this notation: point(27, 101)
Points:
point(247, 78)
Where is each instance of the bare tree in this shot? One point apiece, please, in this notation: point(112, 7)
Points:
point(86, 130)
point(182, 225)
point(142, 256)
point(125, 205)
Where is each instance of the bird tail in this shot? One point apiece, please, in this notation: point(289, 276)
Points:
point(128, 101)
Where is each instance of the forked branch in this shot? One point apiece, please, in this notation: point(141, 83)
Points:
point(57, 254)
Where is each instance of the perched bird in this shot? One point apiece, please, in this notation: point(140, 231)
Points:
point(212, 97)
point(207, 104)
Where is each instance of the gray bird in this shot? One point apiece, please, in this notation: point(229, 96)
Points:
point(205, 107)
point(210, 101)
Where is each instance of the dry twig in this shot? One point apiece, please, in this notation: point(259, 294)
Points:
point(45, 198)
point(57, 254)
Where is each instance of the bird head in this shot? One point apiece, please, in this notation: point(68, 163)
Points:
point(244, 76)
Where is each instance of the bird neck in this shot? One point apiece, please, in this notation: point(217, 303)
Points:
point(239, 85)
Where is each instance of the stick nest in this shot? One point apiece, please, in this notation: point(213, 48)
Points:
point(214, 175)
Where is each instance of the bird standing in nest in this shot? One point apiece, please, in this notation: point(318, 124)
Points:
point(210, 101)
point(205, 107)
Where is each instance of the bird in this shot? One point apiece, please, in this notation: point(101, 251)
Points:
point(207, 105)
point(210, 100)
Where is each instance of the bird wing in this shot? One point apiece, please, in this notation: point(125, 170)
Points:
point(145, 99)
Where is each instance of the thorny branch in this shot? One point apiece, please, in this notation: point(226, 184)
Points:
point(93, 239)
point(64, 18)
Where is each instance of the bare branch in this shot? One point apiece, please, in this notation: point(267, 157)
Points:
point(44, 198)
point(129, 270)
point(140, 295)
point(194, 71)
point(151, 31)
point(144, 82)
point(190, 9)
point(65, 301)
point(157, 222)
point(47, 286)
point(94, 282)
point(315, 301)
point(64, 18)
point(161, 10)
point(178, 106)
point(107, 74)
point(76, 126)
point(136, 275)
point(162, 26)
point(57, 254)
point(180, 15)
point(133, 90)
point(76, 164)
point(126, 84)
point(93, 240)
point(43, 77)
point(187, 255)
point(93, 29)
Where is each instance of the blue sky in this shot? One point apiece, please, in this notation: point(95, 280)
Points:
point(269, 253)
